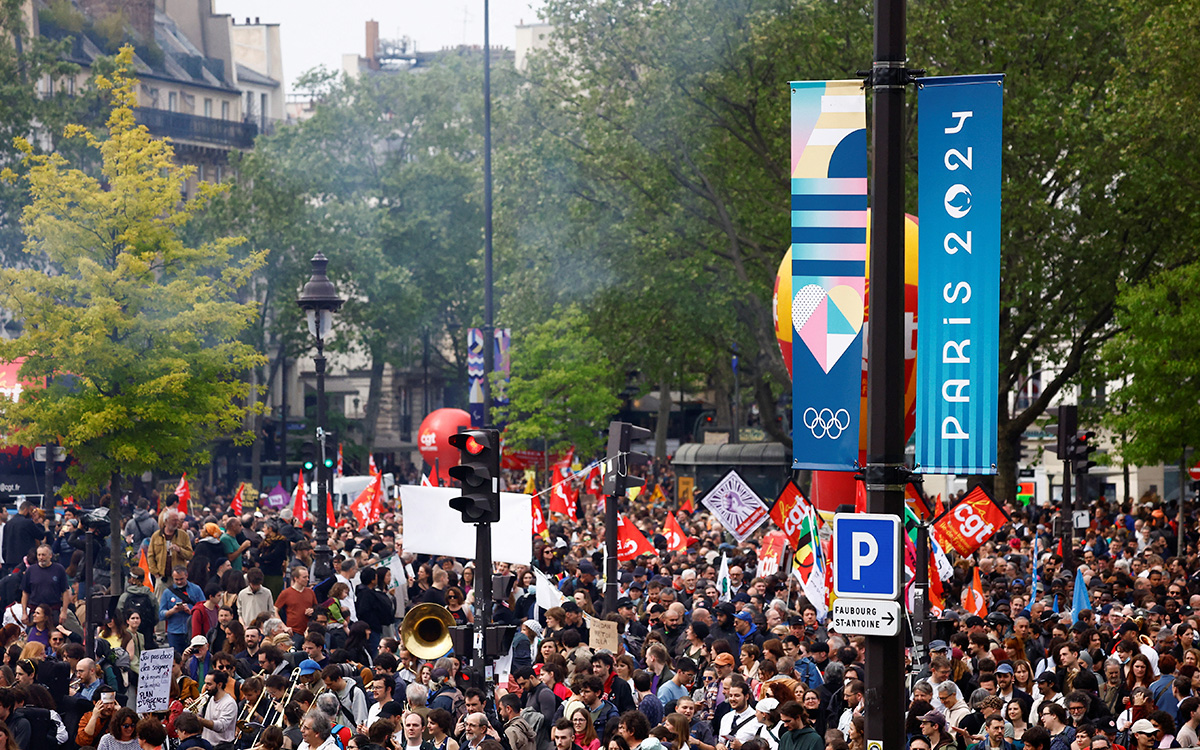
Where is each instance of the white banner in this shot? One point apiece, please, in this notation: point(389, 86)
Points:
point(154, 680)
point(739, 509)
point(432, 527)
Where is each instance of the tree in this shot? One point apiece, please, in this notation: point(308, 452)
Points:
point(146, 324)
point(561, 388)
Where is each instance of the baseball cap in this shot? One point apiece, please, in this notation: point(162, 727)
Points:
point(1143, 726)
point(439, 674)
point(724, 659)
point(1004, 669)
point(938, 646)
point(767, 704)
point(1047, 677)
point(624, 602)
point(743, 615)
point(587, 568)
point(308, 666)
point(199, 640)
point(935, 717)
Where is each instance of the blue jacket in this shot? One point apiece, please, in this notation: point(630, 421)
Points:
point(809, 672)
point(180, 622)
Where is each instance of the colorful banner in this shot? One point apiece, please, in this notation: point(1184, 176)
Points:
point(501, 363)
point(958, 331)
point(966, 526)
point(829, 253)
point(790, 512)
point(770, 555)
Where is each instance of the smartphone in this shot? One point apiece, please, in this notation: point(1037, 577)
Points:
point(108, 698)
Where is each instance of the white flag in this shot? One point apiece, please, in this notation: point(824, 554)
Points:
point(814, 591)
point(548, 594)
point(723, 581)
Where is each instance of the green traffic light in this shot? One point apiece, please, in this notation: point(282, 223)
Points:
point(308, 465)
point(329, 463)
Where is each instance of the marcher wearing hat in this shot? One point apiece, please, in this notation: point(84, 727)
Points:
point(1144, 735)
point(766, 712)
point(197, 659)
point(933, 726)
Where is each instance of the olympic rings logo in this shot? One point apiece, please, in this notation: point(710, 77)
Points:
point(826, 422)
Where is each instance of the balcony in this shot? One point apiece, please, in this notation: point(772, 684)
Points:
point(229, 134)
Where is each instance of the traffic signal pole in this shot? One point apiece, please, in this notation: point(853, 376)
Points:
point(885, 472)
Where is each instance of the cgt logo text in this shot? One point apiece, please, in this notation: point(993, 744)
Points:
point(428, 438)
point(5, 487)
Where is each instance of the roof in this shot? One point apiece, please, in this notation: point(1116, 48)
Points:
point(250, 75)
point(741, 454)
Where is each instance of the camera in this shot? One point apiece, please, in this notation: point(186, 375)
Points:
point(96, 521)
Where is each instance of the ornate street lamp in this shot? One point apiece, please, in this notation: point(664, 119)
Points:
point(319, 301)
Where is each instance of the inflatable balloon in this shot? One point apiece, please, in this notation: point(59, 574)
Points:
point(435, 449)
point(782, 314)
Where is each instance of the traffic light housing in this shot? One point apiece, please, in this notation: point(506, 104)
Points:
point(329, 455)
point(479, 473)
point(1065, 431)
point(1082, 449)
point(621, 459)
point(308, 456)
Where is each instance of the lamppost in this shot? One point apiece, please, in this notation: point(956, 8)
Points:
point(319, 301)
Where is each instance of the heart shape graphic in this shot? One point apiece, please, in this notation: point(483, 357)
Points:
point(827, 321)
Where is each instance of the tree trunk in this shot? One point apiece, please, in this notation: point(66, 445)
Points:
point(764, 396)
point(116, 567)
point(255, 430)
point(664, 420)
point(1006, 472)
point(374, 396)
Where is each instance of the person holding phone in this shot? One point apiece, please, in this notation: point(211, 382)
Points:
point(175, 608)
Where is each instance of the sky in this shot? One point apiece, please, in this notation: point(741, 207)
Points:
point(316, 32)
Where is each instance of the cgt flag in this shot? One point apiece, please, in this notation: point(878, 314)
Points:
point(540, 528)
point(966, 526)
point(829, 252)
point(184, 493)
point(676, 539)
point(300, 501)
point(630, 541)
point(958, 292)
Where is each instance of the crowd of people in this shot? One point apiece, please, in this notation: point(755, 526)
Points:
point(267, 656)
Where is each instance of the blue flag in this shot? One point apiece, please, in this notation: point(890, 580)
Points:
point(1079, 600)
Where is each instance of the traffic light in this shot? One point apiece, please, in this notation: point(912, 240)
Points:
point(329, 454)
point(620, 459)
point(479, 472)
point(308, 456)
point(1081, 452)
point(1064, 431)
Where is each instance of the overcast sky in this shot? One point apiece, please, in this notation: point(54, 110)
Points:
point(315, 32)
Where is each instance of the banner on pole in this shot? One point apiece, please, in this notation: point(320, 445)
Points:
point(958, 330)
point(739, 509)
point(829, 253)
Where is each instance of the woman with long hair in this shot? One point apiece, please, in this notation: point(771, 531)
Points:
point(468, 578)
point(1023, 675)
point(235, 637)
point(7, 741)
point(454, 602)
point(419, 584)
point(34, 651)
point(816, 713)
point(681, 730)
point(585, 603)
point(585, 730)
point(749, 659)
point(1015, 648)
point(855, 738)
point(1017, 714)
point(41, 622)
point(358, 643)
point(1139, 672)
point(440, 724)
point(547, 648)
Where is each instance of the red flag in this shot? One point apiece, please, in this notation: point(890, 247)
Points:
point(367, 507)
point(938, 508)
point(539, 520)
point(572, 501)
point(937, 596)
point(340, 473)
point(184, 493)
point(371, 468)
point(972, 598)
point(558, 499)
point(595, 482)
point(425, 481)
point(235, 507)
point(970, 523)
point(300, 500)
point(860, 497)
point(562, 469)
point(330, 516)
point(1060, 554)
point(676, 540)
point(687, 505)
point(789, 512)
point(630, 541)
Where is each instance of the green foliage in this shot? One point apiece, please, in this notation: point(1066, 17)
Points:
point(63, 16)
point(1157, 357)
point(145, 323)
point(562, 386)
point(111, 30)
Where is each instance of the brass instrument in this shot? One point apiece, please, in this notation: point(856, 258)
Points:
point(287, 698)
point(198, 705)
point(425, 631)
point(243, 721)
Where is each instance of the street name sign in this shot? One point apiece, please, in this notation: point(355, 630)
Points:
point(866, 617)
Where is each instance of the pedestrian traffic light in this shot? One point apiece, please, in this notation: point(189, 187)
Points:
point(1081, 452)
point(308, 456)
point(1064, 431)
point(620, 459)
point(479, 472)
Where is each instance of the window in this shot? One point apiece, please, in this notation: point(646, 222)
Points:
point(263, 110)
point(224, 110)
point(208, 108)
point(172, 102)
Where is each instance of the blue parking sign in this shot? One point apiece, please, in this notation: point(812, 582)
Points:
point(866, 555)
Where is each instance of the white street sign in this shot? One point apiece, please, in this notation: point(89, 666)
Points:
point(866, 617)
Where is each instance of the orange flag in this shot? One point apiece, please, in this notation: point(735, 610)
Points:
point(676, 540)
point(145, 566)
point(184, 493)
point(972, 598)
point(300, 503)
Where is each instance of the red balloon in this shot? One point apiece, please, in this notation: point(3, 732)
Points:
point(435, 449)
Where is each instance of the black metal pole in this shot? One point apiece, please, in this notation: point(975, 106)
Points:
point(489, 312)
point(48, 488)
point(610, 559)
point(885, 470)
point(322, 555)
point(89, 567)
point(483, 584)
point(1067, 505)
point(283, 416)
point(921, 624)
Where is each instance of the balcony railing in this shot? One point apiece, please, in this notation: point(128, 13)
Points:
point(209, 130)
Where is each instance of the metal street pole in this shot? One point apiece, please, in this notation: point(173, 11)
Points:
point(283, 416)
point(886, 473)
point(322, 555)
point(611, 550)
point(1067, 505)
point(483, 583)
point(489, 312)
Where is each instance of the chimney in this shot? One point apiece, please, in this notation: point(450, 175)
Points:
point(373, 44)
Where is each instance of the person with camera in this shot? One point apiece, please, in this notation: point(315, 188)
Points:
point(169, 548)
point(94, 723)
point(175, 608)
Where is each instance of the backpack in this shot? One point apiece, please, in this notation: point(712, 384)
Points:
point(43, 730)
point(458, 703)
point(541, 729)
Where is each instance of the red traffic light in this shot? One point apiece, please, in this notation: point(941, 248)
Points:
point(473, 446)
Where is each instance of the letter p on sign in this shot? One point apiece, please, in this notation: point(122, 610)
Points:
point(866, 550)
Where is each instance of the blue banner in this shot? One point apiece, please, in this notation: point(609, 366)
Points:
point(958, 324)
point(829, 253)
